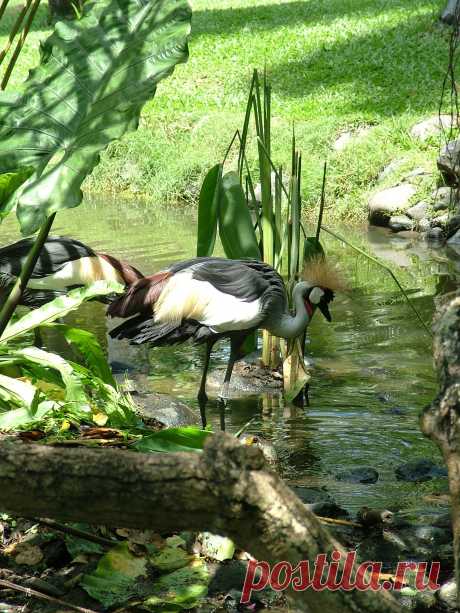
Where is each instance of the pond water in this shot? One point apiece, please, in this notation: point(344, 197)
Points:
point(373, 372)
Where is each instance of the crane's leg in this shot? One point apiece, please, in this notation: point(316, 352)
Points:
point(235, 353)
point(202, 396)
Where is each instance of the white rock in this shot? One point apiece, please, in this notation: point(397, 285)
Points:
point(383, 204)
point(389, 168)
point(342, 141)
point(418, 211)
point(430, 127)
point(448, 594)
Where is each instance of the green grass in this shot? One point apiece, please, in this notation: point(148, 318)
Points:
point(334, 65)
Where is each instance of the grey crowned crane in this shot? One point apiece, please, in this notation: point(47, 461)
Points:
point(205, 299)
point(63, 264)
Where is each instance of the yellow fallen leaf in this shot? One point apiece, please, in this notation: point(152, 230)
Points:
point(100, 419)
point(65, 425)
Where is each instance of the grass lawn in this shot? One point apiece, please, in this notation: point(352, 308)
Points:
point(334, 65)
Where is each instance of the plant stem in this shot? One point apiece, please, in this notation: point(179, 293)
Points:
point(26, 272)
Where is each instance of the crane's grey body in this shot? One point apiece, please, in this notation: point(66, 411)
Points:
point(204, 299)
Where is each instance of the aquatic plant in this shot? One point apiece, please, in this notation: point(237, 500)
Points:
point(268, 227)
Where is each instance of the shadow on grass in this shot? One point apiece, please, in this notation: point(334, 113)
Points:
point(218, 21)
point(40, 22)
point(381, 73)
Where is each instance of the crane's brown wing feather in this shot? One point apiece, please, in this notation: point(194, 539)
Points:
point(140, 297)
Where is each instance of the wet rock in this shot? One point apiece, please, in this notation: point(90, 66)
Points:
point(452, 226)
point(266, 447)
point(443, 197)
point(399, 223)
point(376, 548)
point(383, 204)
point(435, 235)
point(423, 130)
point(448, 163)
point(358, 475)
point(119, 368)
point(418, 211)
point(440, 221)
point(327, 509)
point(419, 470)
point(165, 409)
point(310, 495)
point(424, 225)
point(433, 535)
point(447, 595)
point(396, 411)
point(247, 379)
point(454, 239)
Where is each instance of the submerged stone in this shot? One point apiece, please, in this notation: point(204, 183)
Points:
point(399, 223)
point(358, 475)
point(419, 470)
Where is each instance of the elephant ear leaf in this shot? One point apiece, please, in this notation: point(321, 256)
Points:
point(236, 228)
point(94, 76)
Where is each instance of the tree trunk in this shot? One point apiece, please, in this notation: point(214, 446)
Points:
point(441, 420)
point(225, 490)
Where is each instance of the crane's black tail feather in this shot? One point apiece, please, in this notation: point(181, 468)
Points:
point(140, 330)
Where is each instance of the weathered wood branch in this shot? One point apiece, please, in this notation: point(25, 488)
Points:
point(441, 420)
point(226, 490)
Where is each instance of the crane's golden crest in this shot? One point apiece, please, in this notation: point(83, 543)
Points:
point(319, 272)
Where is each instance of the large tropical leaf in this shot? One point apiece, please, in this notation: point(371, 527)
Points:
point(59, 307)
point(184, 438)
point(236, 229)
point(95, 74)
point(207, 211)
point(92, 354)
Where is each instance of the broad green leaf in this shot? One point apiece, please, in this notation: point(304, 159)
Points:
point(74, 391)
point(235, 224)
point(115, 579)
point(94, 77)
point(59, 307)
point(9, 183)
point(20, 392)
point(186, 438)
point(19, 418)
point(179, 590)
point(92, 354)
point(208, 211)
point(312, 248)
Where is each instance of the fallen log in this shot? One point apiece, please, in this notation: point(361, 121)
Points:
point(226, 490)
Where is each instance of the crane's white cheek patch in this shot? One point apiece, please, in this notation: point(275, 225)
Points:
point(83, 271)
point(315, 295)
point(187, 298)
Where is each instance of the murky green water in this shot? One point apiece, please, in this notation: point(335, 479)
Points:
point(374, 369)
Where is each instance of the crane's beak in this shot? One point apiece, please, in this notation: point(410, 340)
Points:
point(324, 308)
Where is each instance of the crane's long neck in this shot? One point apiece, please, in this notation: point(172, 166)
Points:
point(292, 326)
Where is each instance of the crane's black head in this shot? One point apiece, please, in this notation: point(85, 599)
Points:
point(319, 297)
